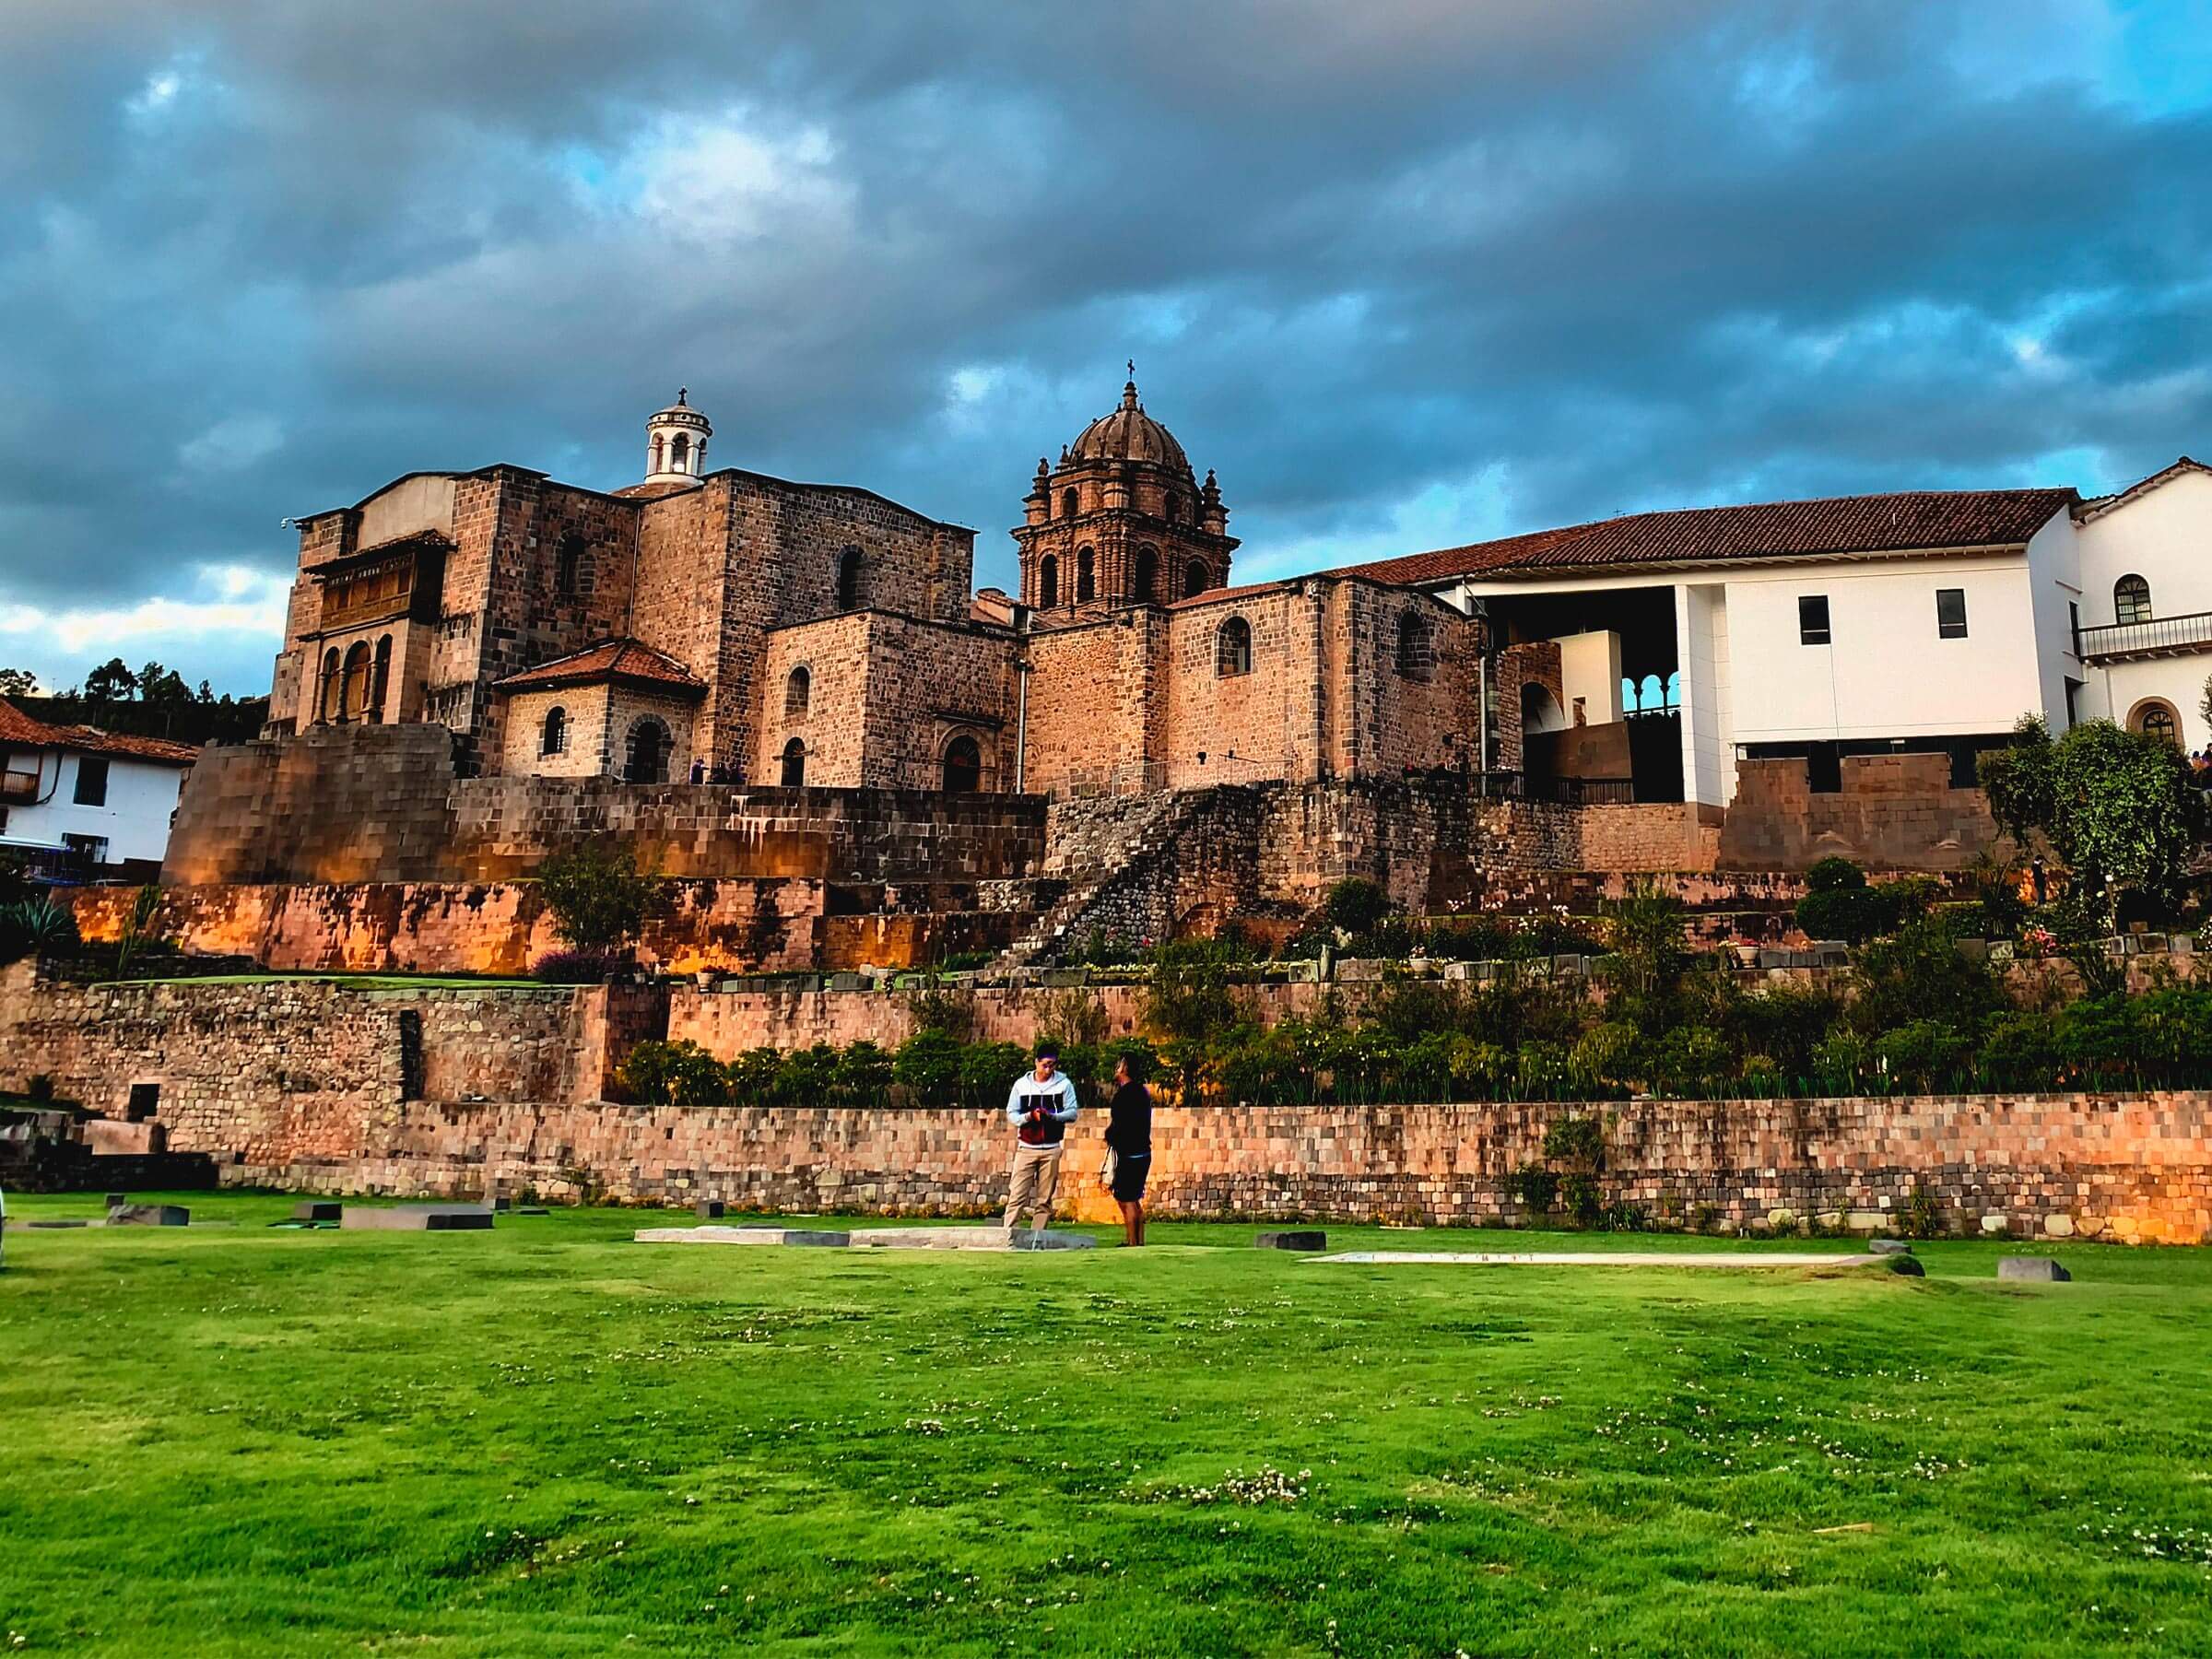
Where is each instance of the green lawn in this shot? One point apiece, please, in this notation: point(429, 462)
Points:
point(552, 1440)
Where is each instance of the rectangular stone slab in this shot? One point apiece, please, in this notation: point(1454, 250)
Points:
point(318, 1209)
point(417, 1218)
point(1603, 1258)
point(149, 1215)
point(968, 1238)
point(741, 1235)
point(1291, 1240)
point(2032, 1270)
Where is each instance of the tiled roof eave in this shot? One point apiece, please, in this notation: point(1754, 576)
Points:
point(1723, 561)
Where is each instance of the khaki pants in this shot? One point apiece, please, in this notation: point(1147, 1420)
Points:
point(1031, 1185)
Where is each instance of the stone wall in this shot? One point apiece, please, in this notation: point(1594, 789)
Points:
point(462, 1092)
point(380, 803)
point(308, 1057)
point(1893, 812)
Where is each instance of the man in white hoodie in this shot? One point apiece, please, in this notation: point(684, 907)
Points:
point(1041, 1106)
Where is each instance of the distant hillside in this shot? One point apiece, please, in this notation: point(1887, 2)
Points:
point(224, 720)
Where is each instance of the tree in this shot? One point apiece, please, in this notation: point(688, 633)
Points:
point(599, 897)
point(17, 682)
point(111, 682)
point(2205, 706)
point(163, 686)
point(2118, 807)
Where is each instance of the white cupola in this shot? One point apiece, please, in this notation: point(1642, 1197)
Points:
point(675, 441)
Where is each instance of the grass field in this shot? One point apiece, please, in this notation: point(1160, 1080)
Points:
point(552, 1440)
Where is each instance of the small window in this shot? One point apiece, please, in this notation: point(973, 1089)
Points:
point(145, 1102)
point(380, 679)
point(1194, 578)
point(1147, 574)
point(1087, 582)
point(553, 737)
point(2073, 626)
point(91, 780)
point(1067, 504)
point(569, 572)
point(1417, 650)
point(2131, 599)
point(963, 766)
point(679, 454)
point(795, 765)
point(1824, 769)
point(848, 580)
point(1232, 649)
point(1048, 584)
point(798, 691)
point(1950, 613)
point(1812, 619)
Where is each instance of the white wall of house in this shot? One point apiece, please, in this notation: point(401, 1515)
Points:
point(1886, 672)
point(1702, 631)
point(1590, 673)
point(134, 820)
point(2165, 536)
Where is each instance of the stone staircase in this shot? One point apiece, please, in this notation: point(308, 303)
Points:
point(1120, 858)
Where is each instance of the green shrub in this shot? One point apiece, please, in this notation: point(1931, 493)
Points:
point(1585, 1205)
point(988, 1070)
point(1578, 1141)
point(755, 1075)
point(1356, 905)
point(808, 1076)
point(598, 895)
point(928, 1065)
point(864, 1075)
point(36, 927)
point(1689, 1061)
point(1534, 1187)
point(1923, 1215)
point(1920, 974)
point(673, 1074)
point(1926, 1056)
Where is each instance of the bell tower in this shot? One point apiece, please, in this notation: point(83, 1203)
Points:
point(1121, 520)
point(675, 442)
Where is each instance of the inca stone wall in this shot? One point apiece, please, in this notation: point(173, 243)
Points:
point(420, 1092)
point(1893, 812)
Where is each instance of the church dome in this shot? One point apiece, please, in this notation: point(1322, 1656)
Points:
point(1129, 434)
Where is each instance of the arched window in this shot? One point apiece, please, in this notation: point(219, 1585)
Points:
point(1194, 578)
point(645, 760)
point(656, 452)
point(1674, 689)
point(1148, 575)
point(679, 454)
point(1628, 695)
point(1652, 694)
point(328, 687)
point(1047, 582)
point(553, 735)
point(1540, 710)
point(1232, 648)
point(2154, 717)
point(799, 690)
point(353, 698)
point(569, 572)
point(795, 765)
point(1417, 647)
point(964, 765)
point(379, 680)
point(848, 580)
point(1086, 581)
point(2131, 600)
point(1067, 504)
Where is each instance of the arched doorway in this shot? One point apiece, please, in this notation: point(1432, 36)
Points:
point(795, 765)
point(353, 702)
point(645, 756)
point(964, 765)
point(2154, 717)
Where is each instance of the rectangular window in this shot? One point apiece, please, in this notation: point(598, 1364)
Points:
point(1812, 618)
point(1950, 613)
point(91, 780)
point(2073, 626)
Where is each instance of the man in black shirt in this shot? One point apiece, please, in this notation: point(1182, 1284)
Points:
point(1129, 1137)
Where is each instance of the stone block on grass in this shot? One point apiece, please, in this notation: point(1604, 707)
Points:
point(417, 1218)
point(2032, 1270)
point(801, 1237)
point(1889, 1247)
point(708, 1209)
point(318, 1209)
point(1311, 1239)
point(149, 1215)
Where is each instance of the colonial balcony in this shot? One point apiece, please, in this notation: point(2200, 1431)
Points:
point(2160, 636)
point(19, 786)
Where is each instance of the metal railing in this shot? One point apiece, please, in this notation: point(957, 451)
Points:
point(1559, 792)
point(2160, 634)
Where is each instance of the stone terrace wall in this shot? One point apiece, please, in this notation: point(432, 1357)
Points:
point(1894, 812)
point(380, 803)
point(2133, 1168)
point(503, 928)
point(239, 1063)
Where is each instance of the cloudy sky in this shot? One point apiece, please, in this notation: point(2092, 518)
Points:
point(1408, 273)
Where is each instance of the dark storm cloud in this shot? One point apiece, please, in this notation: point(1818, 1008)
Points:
point(1417, 270)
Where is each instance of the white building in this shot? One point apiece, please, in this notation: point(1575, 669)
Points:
point(1928, 621)
point(82, 801)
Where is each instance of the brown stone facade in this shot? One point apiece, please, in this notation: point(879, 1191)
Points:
point(1893, 812)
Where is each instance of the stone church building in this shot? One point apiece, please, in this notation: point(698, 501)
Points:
point(724, 626)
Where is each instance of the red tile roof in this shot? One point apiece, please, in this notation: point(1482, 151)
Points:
point(624, 660)
point(20, 730)
point(1877, 524)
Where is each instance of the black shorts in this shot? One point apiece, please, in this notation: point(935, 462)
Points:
point(1129, 1177)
